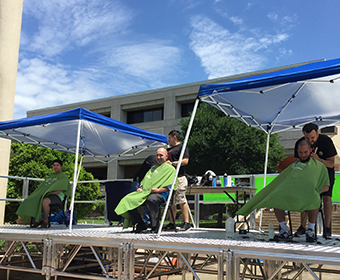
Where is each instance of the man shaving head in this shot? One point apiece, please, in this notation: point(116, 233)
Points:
point(304, 150)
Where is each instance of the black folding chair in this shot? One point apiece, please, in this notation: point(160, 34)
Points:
point(57, 206)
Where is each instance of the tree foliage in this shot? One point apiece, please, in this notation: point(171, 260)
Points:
point(226, 145)
point(36, 162)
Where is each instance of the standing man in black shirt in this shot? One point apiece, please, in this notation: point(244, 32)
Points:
point(323, 150)
point(174, 152)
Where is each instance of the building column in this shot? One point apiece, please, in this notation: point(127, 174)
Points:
point(10, 27)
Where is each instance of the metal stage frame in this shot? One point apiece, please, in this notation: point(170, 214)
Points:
point(104, 252)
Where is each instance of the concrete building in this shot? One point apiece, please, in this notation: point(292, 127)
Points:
point(159, 111)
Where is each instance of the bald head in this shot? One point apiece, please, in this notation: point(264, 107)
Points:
point(161, 155)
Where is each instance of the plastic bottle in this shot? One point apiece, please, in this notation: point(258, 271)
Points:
point(214, 181)
point(230, 225)
point(225, 180)
point(270, 231)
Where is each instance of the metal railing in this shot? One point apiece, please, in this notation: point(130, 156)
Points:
point(26, 181)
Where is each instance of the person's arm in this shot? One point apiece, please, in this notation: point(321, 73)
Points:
point(325, 189)
point(184, 161)
point(328, 162)
point(160, 190)
point(55, 192)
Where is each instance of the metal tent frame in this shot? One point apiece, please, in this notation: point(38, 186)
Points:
point(83, 133)
point(277, 100)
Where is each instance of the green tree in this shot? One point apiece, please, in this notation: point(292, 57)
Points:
point(36, 162)
point(224, 144)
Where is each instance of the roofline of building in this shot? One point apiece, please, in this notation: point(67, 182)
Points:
point(212, 81)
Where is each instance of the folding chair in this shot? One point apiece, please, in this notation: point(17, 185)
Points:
point(170, 209)
point(56, 206)
point(316, 225)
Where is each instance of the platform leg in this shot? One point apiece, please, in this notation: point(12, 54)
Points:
point(230, 265)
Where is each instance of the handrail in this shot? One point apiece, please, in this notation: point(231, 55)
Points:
point(26, 181)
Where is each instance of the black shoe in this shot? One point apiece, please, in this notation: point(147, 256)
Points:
point(185, 227)
point(310, 235)
point(328, 232)
point(169, 226)
point(301, 231)
point(140, 227)
point(154, 229)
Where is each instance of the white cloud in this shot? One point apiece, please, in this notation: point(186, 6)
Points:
point(149, 61)
point(285, 22)
point(40, 84)
point(68, 24)
point(237, 20)
point(77, 50)
point(225, 53)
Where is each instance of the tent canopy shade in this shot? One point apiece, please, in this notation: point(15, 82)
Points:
point(100, 136)
point(81, 132)
point(281, 100)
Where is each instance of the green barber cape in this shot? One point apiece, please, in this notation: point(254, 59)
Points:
point(158, 176)
point(297, 189)
point(31, 206)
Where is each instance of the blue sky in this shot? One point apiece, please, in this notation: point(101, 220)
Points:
point(80, 50)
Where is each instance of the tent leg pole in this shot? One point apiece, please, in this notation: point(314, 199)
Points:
point(178, 166)
point(266, 160)
point(75, 179)
point(265, 172)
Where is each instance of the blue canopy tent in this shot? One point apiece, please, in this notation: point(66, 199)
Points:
point(281, 100)
point(83, 133)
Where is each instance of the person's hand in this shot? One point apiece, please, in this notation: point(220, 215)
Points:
point(168, 161)
point(139, 189)
point(315, 156)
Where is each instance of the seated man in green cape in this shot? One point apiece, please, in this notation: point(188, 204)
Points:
point(297, 188)
point(153, 192)
point(51, 191)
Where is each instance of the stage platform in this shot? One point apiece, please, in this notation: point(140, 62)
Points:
point(101, 252)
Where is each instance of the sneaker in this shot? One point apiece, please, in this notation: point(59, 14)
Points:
point(169, 226)
point(301, 231)
point(284, 235)
point(328, 232)
point(310, 235)
point(185, 227)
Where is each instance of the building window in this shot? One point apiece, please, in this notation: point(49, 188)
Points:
point(186, 109)
point(145, 115)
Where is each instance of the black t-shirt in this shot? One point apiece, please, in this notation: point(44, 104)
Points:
point(173, 155)
point(325, 149)
point(145, 167)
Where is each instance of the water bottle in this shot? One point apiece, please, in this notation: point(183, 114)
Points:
point(270, 231)
point(225, 180)
point(214, 181)
point(230, 225)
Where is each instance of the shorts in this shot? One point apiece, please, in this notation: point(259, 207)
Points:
point(54, 199)
point(330, 190)
point(182, 186)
